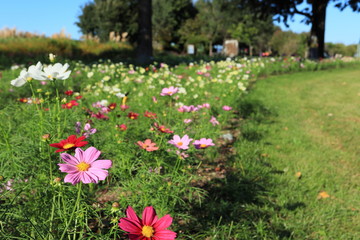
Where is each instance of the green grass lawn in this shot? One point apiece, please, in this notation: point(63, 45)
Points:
point(308, 124)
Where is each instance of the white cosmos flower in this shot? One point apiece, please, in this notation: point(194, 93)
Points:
point(120, 95)
point(34, 72)
point(56, 71)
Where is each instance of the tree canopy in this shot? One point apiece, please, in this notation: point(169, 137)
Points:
point(313, 11)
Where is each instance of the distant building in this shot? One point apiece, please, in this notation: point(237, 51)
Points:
point(231, 48)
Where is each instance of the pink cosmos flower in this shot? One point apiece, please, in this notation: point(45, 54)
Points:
point(181, 143)
point(88, 130)
point(213, 121)
point(226, 108)
point(150, 227)
point(206, 105)
point(154, 99)
point(203, 143)
point(169, 91)
point(147, 145)
point(84, 166)
point(187, 120)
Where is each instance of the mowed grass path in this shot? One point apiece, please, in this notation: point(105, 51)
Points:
point(313, 129)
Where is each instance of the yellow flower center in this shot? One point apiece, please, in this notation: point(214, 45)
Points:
point(68, 145)
point(179, 143)
point(28, 79)
point(203, 145)
point(83, 166)
point(49, 77)
point(147, 231)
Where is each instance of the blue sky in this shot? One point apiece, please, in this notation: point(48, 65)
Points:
point(50, 16)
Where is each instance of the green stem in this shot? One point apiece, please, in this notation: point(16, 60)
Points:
point(76, 207)
point(57, 107)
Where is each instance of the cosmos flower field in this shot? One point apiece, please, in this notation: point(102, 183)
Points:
point(116, 151)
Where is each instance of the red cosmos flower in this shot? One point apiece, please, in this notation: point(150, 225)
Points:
point(70, 104)
point(112, 106)
point(70, 143)
point(99, 115)
point(78, 97)
point(162, 128)
point(69, 92)
point(122, 127)
point(150, 115)
point(149, 227)
point(133, 115)
point(23, 100)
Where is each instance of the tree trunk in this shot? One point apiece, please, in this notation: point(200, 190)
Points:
point(318, 24)
point(210, 49)
point(144, 53)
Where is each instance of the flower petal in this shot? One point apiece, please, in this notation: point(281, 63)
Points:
point(72, 178)
point(163, 222)
point(18, 82)
point(104, 164)
point(69, 158)
point(91, 154)
point(85, 178)
point(81, 144)
point(130, 213)
point(57, 145)
point(130, 226)
point(68, 168)
point(94, 177)
point(148, 216)
point(79, 154)
point(165, 235)
point(101, 174)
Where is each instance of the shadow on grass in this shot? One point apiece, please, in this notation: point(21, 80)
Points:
point(241, 205)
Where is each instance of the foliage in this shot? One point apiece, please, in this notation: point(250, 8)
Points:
point(24, 50)
point(341, 49)
point(167, 18)
point(88, 23)
point(101, 17)
point(314, 13)
point(255, 33)
point(288, 43)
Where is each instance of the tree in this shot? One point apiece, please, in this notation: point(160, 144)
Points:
point(168, 17)
point(253, 32)
point(87, 22)
point(101, 17)
point(288, 43)
point(144, 49)
point(314, 13)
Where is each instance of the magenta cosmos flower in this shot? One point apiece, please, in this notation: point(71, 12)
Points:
point(169, 91)
point(84, 166)
point(203, 143)
point(150, 227)
point(226, 108)
point(181, 143)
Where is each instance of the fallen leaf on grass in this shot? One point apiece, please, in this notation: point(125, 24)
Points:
point(298, 175)
point(323, 195)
